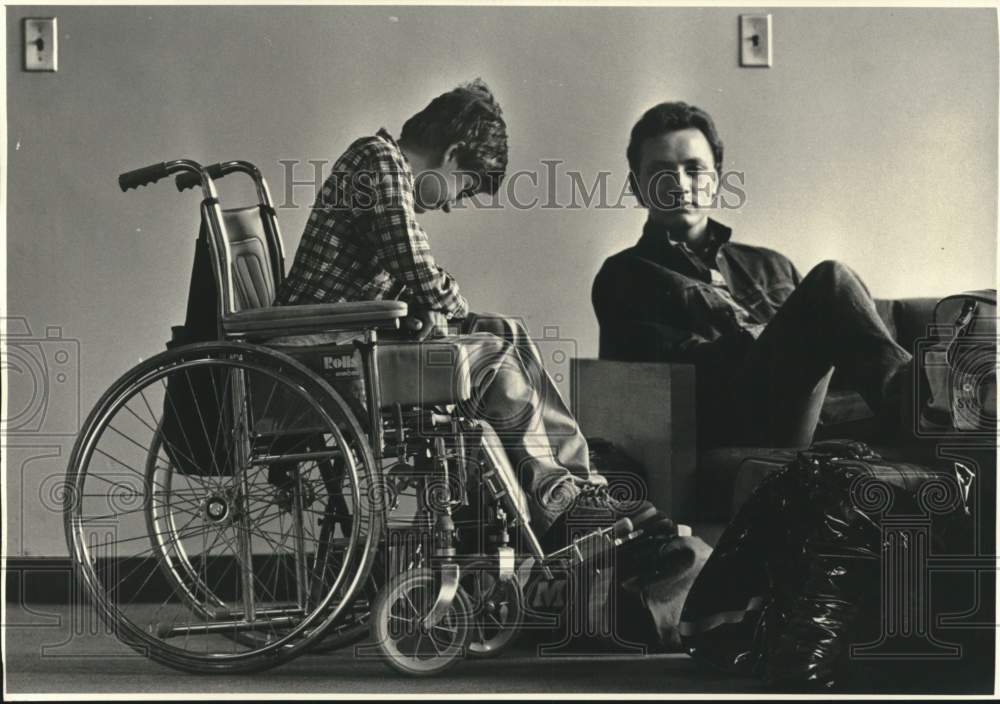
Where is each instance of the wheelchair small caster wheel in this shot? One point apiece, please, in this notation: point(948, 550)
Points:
point(407, 644)
point(497, 608)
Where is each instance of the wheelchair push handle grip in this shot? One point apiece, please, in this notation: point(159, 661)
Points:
point(191, 179)
point(142, 177)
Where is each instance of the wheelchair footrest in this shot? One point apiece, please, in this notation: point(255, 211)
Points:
point(590, 545)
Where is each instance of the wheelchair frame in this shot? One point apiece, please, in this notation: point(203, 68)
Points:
point(442, 435)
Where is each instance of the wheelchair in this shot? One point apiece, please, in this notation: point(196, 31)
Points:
point(289, 482)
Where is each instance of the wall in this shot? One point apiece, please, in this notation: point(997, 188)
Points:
point(871, 140)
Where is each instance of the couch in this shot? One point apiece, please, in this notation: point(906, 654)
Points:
point(648, 411)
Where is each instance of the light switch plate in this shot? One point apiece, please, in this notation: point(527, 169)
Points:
point(755, 40)
point(40, 50)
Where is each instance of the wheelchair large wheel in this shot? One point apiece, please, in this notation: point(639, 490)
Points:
point(196, 502)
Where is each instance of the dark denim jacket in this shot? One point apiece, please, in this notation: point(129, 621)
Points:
point(655, 302)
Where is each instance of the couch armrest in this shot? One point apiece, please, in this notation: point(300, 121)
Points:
point(648, 410)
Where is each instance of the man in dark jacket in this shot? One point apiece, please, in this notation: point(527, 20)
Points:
point(764, 339)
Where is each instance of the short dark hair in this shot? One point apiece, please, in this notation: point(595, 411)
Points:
point(470, 116)
point(670, 117)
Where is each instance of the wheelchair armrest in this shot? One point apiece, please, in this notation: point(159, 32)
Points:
point(276, 321)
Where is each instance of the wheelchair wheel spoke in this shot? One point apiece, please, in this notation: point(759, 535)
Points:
point(128, 438)
point(106, 481)
point(172, 446)
point(204, 428)
point(434, 644)
point(152, 414)
point(413, 609)
point(108, 516)
point(270, 399)
point(169, 399)
point(114, 459)
point(439, 627)
point(142, 420)
point(186, 506)
point(416, 646)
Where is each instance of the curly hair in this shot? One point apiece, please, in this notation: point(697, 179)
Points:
point(470, 117)
point(670, 117)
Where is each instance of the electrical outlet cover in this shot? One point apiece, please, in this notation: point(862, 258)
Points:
point(755, 40)
point(40, 50)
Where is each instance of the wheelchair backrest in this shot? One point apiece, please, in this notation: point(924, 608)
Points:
point(246, 255)
point(253, 273)
point(245, 244)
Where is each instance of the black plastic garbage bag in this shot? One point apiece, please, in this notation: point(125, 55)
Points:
point(796, 578)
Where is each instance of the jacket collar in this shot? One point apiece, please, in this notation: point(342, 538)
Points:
point(655, 235)
point(655, 244)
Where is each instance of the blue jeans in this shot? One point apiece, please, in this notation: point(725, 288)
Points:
point(774, 396)
point(516, 396)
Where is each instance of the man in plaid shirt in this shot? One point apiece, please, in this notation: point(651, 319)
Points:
point(362, 242)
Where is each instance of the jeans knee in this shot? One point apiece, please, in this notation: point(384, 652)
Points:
point(831, 267)
point(833, 271)
point(838, 279)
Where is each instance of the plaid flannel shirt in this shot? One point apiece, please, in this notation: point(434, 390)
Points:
point(362, 240)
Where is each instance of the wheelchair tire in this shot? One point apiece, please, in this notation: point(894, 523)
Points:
point(405, 645)
point(244, 563)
